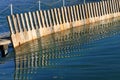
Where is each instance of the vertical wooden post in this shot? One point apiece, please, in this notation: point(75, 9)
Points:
point(83, 10)
point(86, 10)
point(103, 6)
point(96, 9)
point(117, 2)
point(46, 18)
point(108, 7)
point(117, 5)
point(80, 12)
point(19, 23)
point(111, 8)
point(27, 22)
point(91, 8)
point(20, 35)
point(59, 16)
point(15, 23)
point(36, 25)
point(69, 16)
point(72, 14)
point(75, 16)
point(56, 16)
point(53, 17)
point(66, 15)
point(114, 4)
point(10, 25)
point(50, 22)
point(63, 15)
point(99, 10)
point(23, 22)
point(31, 20)
point(38, 19)
point(42, 18)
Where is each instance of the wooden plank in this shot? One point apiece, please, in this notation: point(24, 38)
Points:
point(19, 23)
point(10, 25)
point(49, 16)
point(69, 16)
point(99, 11)
point(46, 18)
point(56, 16)
point(117, 6)
point(78, 14)
point(15, 23)
point(74, 11)
point(103, 5)
point(63, 15)
point(96, 9)
point(59, 16)
point(89, 10)
point(72, 14)
point(23, 22)
point(31, 20)
point(4, 42)
point(27, 21)
point(66, 15)
point(42, 18)
point(35, 20)
point(53, 17)
point(86, 11)
point(81, 15)
point(83, 10)
point(106, 7)
point(111, 9)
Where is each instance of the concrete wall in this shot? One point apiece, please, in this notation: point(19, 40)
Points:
point(32, 25)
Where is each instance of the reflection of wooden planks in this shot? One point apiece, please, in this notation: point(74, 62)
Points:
point(4, 46)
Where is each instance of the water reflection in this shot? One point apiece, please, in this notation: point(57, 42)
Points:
point(48, 51)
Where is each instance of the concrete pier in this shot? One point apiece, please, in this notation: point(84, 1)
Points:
point(25, 27)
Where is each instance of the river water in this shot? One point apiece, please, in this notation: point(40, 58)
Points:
point(89, 52)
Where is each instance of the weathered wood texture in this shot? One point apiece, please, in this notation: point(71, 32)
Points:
point(4, 42)
point(32, 25)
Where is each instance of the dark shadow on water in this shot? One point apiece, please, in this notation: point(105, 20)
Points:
point(54, 51)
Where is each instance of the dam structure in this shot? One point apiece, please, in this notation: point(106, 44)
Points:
point(29, 26)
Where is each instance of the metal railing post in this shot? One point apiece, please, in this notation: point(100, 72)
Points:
point(11, 8)
point(39, 5)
